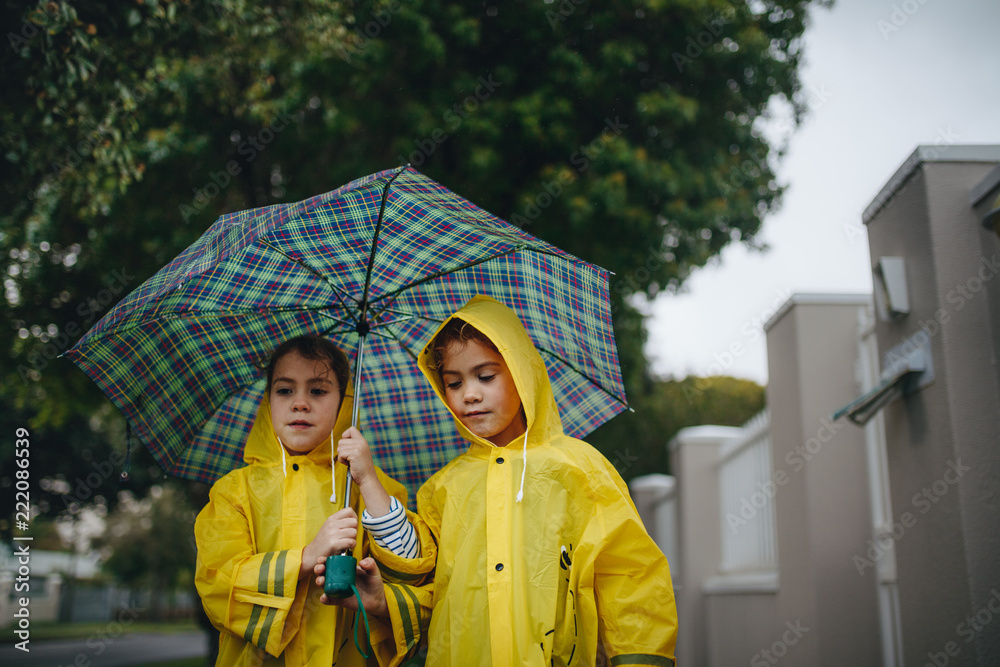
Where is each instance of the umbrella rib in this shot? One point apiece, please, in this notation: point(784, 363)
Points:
point(386, 332)
point(363, 321)
point(336, 290)
point(435, 276)
point(325, 313)
point(576, 370)
point(205, 314)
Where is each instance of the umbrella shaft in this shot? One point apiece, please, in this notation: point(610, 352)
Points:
point(354, 415)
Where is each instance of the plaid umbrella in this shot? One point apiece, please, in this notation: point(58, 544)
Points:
point(375, 265)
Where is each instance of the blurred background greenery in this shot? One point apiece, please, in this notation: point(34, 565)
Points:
point(626, 132)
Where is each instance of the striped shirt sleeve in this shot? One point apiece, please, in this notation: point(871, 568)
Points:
point(393, 531)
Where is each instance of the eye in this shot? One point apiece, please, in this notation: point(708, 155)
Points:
point(453, 385)
point(319, 392)
point(487, 378)
point(283, 391)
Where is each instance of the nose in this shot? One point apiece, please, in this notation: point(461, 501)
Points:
point(472, 393)
point(300, 404)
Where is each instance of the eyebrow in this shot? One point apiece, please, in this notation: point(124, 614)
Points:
point(315, 380)
point(474, 368)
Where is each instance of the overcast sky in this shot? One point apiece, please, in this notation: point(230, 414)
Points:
point(882, 77)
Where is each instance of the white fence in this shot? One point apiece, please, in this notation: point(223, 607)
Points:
point(655, 498)
point(746, 493)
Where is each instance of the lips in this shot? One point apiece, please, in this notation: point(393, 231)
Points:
point(299, 424)
point(475, 414)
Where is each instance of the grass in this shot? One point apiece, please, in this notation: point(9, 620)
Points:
point(43, 630)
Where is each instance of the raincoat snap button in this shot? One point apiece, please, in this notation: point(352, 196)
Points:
point(295, 466)
point(499, 566)
point(499, 459)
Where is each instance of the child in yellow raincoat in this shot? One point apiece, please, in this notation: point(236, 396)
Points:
point(268, 524)
point(537, 551)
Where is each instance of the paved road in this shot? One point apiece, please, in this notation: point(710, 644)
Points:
point(123, 651)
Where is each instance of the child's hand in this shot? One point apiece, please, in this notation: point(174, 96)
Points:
point(352, 448)
point(338, 532)
point(370, 586)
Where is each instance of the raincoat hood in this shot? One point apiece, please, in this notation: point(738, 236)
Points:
point(538, 557)
point(250, 539)
point(502, 326)
point(264, 449)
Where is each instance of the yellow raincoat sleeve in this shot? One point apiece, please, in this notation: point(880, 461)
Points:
point(637, 615)
point(245, 593)
point(409, 594)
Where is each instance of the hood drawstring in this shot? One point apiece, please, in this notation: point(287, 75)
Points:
point(333, 471)
point(284, 466)
point(524, 468)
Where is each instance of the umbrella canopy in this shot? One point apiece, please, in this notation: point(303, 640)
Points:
point(384, 260)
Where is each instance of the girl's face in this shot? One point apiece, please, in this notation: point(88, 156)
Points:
point(305, 398)
point(479, 389)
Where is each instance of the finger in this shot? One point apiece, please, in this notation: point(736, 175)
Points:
point(347, 603)
point(346, 513)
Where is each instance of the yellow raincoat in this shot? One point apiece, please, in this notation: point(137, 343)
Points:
point(250, 538)
point(536, 582)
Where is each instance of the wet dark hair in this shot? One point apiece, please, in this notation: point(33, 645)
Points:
point(314, 348)
point(456, 331)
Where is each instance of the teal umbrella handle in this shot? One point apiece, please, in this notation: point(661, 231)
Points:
point(341, 582)
point(341, 575)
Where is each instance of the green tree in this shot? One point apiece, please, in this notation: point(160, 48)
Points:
point(637, 444)
point(626, 133)
point(151, 544)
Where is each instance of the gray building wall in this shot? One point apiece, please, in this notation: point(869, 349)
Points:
point(942, 441)
point(823, 512)
point(693, 455)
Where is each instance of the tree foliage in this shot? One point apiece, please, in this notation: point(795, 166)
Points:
point(149, 543)
point(638, 446)
point(627, 133)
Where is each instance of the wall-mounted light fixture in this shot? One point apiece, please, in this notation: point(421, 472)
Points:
point(907, 368)
point(891, 297)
